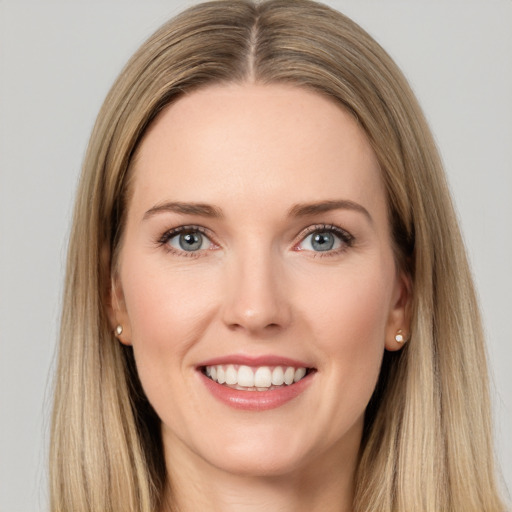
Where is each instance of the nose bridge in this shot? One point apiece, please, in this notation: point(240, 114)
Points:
point(256, 298)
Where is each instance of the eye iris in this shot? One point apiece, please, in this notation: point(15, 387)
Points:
point(323, 241)
point(191, 241)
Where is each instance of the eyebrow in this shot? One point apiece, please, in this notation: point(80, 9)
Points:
point(201, 209)
point(306, 209)
point(298, 210)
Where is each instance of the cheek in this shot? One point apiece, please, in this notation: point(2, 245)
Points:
point(352, 308)
point(169, 308)
point(349, 319)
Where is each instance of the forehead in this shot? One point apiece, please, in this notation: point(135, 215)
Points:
point(255, 142)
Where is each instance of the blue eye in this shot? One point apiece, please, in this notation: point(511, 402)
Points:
point(190, 240)
point(322, 241)
point(325, 239)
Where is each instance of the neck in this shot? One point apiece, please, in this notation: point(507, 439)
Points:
point(322, 485)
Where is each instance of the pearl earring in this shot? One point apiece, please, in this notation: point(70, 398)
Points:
point(399, 336)
point(119, 330)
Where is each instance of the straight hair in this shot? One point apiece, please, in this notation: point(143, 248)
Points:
point(427, 442)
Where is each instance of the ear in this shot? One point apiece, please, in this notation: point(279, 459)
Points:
point(117, 313)
point(399, 318)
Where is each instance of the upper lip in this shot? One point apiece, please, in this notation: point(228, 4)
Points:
point(255, 361)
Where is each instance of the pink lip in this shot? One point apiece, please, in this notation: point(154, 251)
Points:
point(265, 360)
point(255, 400)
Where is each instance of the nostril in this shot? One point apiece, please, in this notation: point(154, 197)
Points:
point(270, 328)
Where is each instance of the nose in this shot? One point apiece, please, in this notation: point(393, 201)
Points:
point(256, 301)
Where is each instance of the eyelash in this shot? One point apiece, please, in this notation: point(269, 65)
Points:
point(171, 233)
point(347, 240)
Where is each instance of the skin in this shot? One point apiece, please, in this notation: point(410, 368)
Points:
point(258, 287)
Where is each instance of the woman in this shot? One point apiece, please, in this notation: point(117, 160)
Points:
point(268, 302)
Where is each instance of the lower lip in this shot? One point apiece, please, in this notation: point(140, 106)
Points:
point(256, 400)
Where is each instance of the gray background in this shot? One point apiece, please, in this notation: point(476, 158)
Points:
point(57, 61)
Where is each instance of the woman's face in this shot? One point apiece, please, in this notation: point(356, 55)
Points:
point(257, 252)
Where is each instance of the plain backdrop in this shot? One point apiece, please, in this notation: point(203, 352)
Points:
point(57, 62)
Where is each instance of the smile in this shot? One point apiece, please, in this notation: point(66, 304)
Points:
point(255, 384)
point(250, 378)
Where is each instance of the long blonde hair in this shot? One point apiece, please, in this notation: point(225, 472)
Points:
point(427, 441)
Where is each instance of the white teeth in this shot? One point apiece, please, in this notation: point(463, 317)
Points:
point(277, 376)
point(231, 375)
point(299, 373)
point(221, 375)
point(249, 378)
point(263, 377)
point(245, 377)
point(289, 374)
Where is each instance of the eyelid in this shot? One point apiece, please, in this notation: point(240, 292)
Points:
point(346, 238)
point(172, 232)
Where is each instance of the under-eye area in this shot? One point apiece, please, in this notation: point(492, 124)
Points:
point(259, 378)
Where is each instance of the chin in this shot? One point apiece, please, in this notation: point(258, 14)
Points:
point(268, 451)
point(262, 465)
